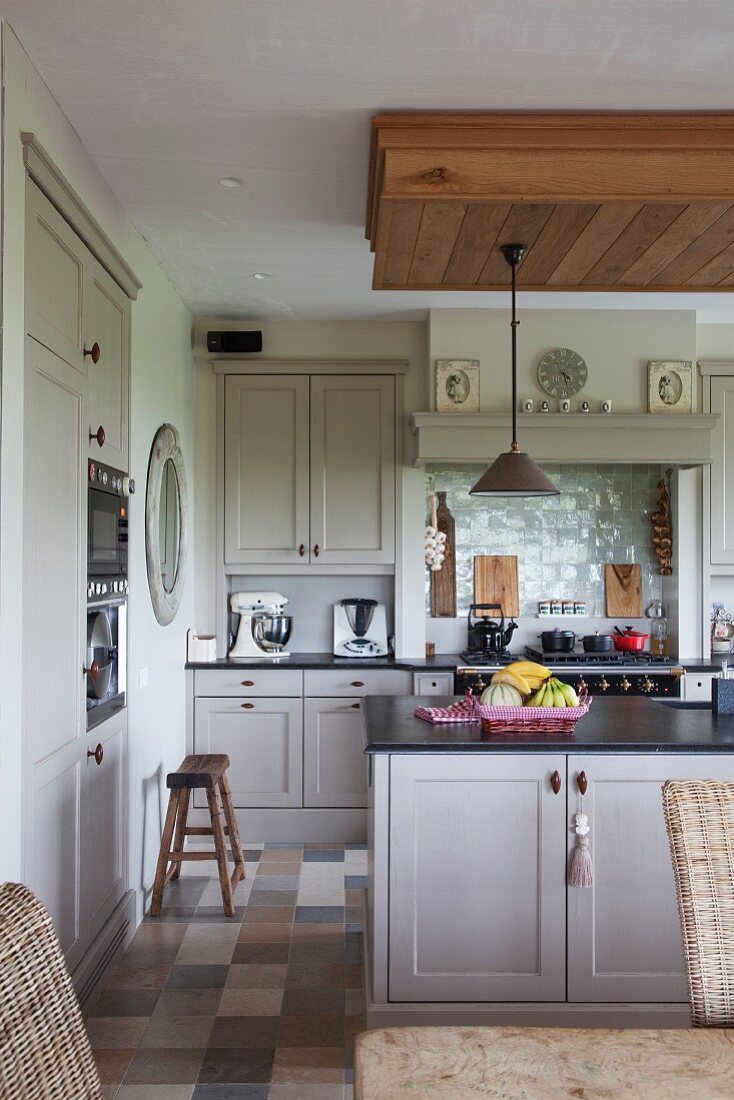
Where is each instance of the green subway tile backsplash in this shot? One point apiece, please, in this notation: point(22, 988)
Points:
point(562, 543)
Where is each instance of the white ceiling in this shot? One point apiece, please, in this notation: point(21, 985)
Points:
point(170, 95)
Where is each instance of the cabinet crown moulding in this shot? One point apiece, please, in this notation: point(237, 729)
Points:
point(636, 202)
point(234, 365)
point(572, 437)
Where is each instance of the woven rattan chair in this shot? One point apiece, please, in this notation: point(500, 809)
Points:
point(700, 821)
point(44, 1049)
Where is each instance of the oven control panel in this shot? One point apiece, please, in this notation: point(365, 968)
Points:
point(655, 683)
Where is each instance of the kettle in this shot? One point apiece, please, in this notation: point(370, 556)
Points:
point(485, 634)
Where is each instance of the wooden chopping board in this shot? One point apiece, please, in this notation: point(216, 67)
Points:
point(496, 581)
point(623, 586)
point(443, 582)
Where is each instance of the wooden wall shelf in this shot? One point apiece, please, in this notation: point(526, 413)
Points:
point(604, 202)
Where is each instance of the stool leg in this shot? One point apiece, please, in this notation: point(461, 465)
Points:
point(183, 812)
point(234, 833)
point(160, 872)
point(215, 812)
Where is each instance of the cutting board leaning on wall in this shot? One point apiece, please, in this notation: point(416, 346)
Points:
point(623, 587)
point(496, 581)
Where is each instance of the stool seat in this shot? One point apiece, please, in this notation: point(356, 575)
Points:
point(207, 771)
point(198, 771)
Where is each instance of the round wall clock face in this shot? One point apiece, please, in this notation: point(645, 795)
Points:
point(562, 372)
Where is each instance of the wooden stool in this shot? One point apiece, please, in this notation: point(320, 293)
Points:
point(208, 772)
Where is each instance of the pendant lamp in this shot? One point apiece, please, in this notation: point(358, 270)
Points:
point(514, 474)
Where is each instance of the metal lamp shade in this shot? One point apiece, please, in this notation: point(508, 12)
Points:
point(514, 474)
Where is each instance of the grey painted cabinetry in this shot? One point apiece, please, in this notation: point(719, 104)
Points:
point(309, 470)
point(722, 471)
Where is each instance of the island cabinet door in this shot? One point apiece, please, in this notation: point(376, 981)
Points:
point(624, 936)
point(477, 878)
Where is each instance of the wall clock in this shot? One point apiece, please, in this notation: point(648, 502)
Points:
point(562, 372)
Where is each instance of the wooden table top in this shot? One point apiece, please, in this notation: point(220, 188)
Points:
point(524, 1063)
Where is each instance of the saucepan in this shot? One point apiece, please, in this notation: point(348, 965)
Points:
point(629, 641)
point(597, 643)
point(558, 641)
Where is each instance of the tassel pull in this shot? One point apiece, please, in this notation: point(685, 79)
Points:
point(581, 871)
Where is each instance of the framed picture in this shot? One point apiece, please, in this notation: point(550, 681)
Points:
point(669, 386)
point(457, 385)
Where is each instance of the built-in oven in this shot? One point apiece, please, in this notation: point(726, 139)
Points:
point(623, 680)
point(107, 529)
point(106, 659)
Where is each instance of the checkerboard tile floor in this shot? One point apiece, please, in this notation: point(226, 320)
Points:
point(264, 1006)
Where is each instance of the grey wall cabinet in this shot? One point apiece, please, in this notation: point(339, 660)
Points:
point(477, 879)
point(309, 470)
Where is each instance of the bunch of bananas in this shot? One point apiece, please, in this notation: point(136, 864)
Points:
point(537, 685)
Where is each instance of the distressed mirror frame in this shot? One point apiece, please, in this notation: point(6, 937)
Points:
point(166, 445)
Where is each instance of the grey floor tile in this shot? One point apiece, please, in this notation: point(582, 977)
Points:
point(323, 856)
point(319, 914)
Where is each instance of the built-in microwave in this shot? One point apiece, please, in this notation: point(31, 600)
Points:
point(107, 532)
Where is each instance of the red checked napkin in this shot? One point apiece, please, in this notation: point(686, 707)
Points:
point(465, 711)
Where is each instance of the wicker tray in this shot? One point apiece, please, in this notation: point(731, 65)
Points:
point(552, 720)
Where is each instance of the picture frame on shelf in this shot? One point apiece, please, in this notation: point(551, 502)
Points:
point(457, 385)
point(670, 386)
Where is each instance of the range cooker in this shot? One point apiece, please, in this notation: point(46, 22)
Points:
point(621, 674)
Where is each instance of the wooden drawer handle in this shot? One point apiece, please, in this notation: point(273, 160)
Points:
point(98, 754)
point(93, 670)
point(247, 706)
point(555, 781)
point(99, 435)
point(94, 351)
point(316, 550)
point(248, 683)
point(301, 550)
point(355, 706)
point(357, 683)
point(582, 782)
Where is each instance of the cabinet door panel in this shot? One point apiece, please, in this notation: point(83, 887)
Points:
point(353, 469)
point(334, 764)
point(107, 324)
point(54, 280)
point(266, 469)
point(103, 850)
point(263, 739)
point(477, 879)
point(624, 937)
point(722, 472)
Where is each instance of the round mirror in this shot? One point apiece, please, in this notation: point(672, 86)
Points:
point(166, 513)
point(169, 515)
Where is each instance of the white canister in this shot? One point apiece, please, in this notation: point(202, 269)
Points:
point(200, 647)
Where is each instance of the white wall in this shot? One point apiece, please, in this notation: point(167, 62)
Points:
point(161, 389)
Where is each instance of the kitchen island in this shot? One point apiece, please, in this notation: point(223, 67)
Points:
point(469, 917)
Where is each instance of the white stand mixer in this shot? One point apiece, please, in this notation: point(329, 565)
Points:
point(264, 630)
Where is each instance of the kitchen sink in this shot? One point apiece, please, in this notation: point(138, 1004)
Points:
point(685, 704)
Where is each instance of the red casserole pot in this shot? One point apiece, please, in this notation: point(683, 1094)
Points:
point(632, 641)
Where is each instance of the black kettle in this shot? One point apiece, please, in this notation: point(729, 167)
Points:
point(486, 635)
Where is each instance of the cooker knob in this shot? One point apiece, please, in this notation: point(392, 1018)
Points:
point(625, 684)
point(603, 684)
point(647, 685)
point(104, 589)
point(481, 684)
point(581, 686)
point(92, 471)
point(98, 588)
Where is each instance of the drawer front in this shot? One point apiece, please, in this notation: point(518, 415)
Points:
point(355, 681)
point(248, 681)
point(433, 683)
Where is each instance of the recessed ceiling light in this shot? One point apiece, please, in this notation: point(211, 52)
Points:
point(230, 181)
point(262, 275)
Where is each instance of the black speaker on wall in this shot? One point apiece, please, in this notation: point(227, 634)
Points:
point(234, 341)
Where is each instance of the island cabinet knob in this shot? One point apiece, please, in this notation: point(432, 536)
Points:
point(582, 782)
point(555, 782)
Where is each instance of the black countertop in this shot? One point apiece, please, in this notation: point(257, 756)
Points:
point(442, 662)
point(612, 725)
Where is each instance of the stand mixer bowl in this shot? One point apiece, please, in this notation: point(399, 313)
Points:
point(272, 631)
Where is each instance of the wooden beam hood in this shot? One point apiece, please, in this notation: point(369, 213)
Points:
point(604, 202)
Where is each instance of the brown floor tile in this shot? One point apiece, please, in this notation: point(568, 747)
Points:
point(261, 953)
point(155, 1092)
point(352, 1027)
point(115, 1032)
point(323, 933)
point(256, 976)
point(281, 855)
point(316, 952)
point(299, 1002)
point(156, 933)
point(205, 954)
point(178, 1031)
point(250, 1002)
point(353, 897)
point(139, 977)
point(210, 976)
point(306, 1092)
point(354, 1002)
point(331, 975)
point(277, 868)
point(229, 1065)
point(156, 1066)
point(126, 1002)
point(306, 1065)
point(152, 954)
point(269, 914)
point(245, 1032)
point(112, 1065)
point(312, 1030)
point(265, 933)
point(188, 1002)
point(353, 976)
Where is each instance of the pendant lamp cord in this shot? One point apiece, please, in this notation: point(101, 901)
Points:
point(515, 323)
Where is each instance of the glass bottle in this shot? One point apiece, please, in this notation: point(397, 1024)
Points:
point(658, 630)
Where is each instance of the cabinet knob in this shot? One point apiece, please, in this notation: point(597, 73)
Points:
point(301, 550)
point(94, 352)
point(247, 706)
point(582, 782)
point(357, 683)
point(555, 782)
point(248, 683)
point(99, 435)
point(316, 550)
point(92, 671)
point(97, 753)
point(355, 706)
